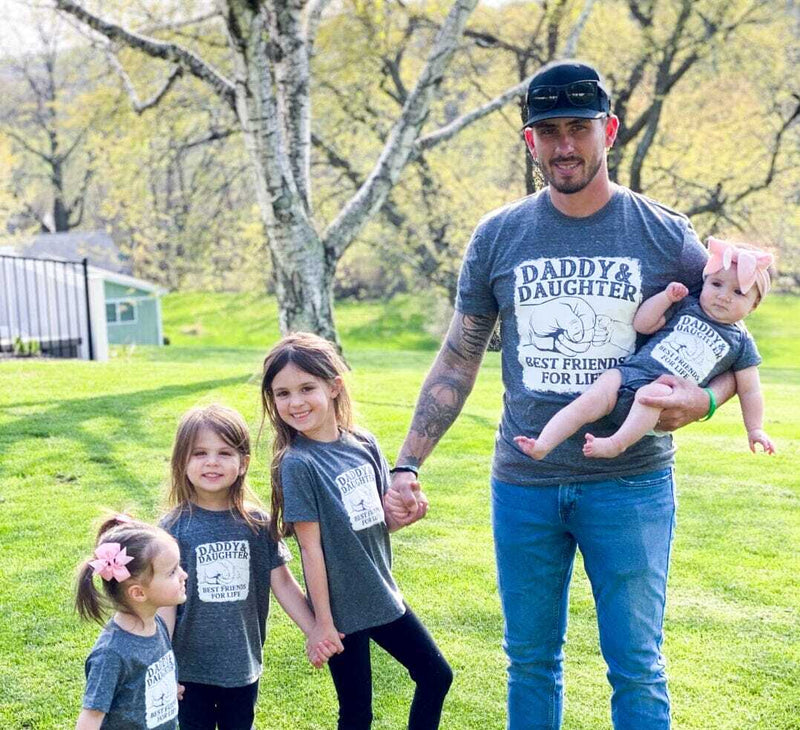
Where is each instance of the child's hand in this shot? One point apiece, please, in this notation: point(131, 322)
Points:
point(676, 291)
point(318, 655)
point(322, 643)
point(759, 436)
point(181, 690)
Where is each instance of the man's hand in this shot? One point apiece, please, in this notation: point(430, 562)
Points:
point(686, 404)
point(405, 502)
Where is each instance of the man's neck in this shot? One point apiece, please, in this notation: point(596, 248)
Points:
point(585, 202)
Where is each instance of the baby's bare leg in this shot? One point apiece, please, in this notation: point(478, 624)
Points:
point(598, 401)
point(640, 420)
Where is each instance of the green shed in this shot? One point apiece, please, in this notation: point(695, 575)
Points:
point(133, 309)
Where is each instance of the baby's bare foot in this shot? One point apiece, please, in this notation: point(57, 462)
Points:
point(596, 448)
point(532, 447)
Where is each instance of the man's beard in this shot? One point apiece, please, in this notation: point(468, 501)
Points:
point(571, 186)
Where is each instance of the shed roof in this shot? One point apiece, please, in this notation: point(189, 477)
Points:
point(97, 246)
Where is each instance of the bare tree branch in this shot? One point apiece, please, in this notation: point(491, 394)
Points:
point(293, 80)
point(571, 44)
point(141, 106)
point(313, 19)
point(400, 144)
point(213, 136)
point(451, 130)
point(179, 24)
point(20, 140)
point(191, 62)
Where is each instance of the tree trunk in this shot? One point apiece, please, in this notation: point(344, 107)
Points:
point(304, 290)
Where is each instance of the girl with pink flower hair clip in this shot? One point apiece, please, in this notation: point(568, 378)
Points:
point(695, 339)
point(130, 673)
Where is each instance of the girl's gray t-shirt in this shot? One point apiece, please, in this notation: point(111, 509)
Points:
point(221, 629)
point(566, 291)
point(340, 484)
point(132, 679)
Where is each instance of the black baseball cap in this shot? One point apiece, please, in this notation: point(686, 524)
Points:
point(566, 89)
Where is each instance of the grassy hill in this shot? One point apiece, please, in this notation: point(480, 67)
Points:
point(76, 437)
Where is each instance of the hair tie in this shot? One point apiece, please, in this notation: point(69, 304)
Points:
point(111, 562)
point(751, 265)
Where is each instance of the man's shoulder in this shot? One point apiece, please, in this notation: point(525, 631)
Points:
point(520, 209)
point(651, 207)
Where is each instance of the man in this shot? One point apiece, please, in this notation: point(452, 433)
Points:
point(565, 269)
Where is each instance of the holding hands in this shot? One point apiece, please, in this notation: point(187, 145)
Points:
point(405, 502)
point(322, 643)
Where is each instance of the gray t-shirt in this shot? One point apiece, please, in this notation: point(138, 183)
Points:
point(566, 290)
point(339, 484)
point(220, 630)
point(132, 679)
point(693, 346)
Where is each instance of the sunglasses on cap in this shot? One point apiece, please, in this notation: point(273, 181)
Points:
point(577, 93)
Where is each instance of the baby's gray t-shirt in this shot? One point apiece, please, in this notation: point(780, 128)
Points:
point(566, 290)
point(132, 679)
point(221, 629)
point(693, 346)
point(340, 485)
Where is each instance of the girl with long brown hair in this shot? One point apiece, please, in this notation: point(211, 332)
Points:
point(328, 481)
point(232, 562)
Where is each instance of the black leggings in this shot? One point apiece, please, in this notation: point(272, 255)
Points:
point(207, 707)
point(407, 640)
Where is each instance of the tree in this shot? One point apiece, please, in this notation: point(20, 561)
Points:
point(270, 46)
point(58, 169)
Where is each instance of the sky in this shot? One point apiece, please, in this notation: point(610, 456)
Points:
point(15, 26)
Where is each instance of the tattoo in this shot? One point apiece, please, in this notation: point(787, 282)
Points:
point(469, 335)
point(439, 404)
point(447, 386)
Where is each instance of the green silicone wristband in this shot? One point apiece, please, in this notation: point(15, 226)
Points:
point(712, 404)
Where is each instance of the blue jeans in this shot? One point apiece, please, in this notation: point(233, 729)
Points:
point(623, 528)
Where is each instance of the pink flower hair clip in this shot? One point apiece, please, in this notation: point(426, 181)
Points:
point(111, 562)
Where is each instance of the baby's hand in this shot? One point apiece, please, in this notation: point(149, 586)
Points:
point(676, 291)
point(759, 436)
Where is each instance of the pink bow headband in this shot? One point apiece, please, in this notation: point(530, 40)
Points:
point(751, 264)
point(111, 562)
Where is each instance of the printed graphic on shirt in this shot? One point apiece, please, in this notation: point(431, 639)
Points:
point(691, 350)
point(161, 691)
point(360, 496)
point(574, 319)
point(223, 571)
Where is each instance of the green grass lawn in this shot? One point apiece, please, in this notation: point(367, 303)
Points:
point(76, 437)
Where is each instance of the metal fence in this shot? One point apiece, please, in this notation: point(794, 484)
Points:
point(44, 308)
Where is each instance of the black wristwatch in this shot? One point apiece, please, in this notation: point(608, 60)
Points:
point(405, 467)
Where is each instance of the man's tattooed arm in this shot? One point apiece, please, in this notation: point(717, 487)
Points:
point(447, 386)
